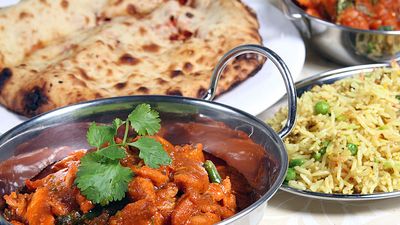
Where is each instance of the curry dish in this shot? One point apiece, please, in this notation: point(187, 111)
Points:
point(184, 186)
point(360, 14)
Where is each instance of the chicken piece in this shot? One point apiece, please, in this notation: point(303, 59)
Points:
point(154, 175)
point(14, 222)
point(204, 219)
point(190, 175)
point(353, 18)
point(167, 146)
point(141, 188)
point(229, 199)
point(71, 174)
point(189, 152)
point(72, 158)
point(18, 203)
point(39, 209)
point(166, 199)
point(183, 211)
point(138, 213)
point(84, 204)
point(215, 191)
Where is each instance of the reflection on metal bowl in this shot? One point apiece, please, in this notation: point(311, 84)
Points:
point(344, 45)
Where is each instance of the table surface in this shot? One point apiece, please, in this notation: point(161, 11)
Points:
point(285, 208)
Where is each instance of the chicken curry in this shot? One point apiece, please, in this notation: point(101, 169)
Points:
point(360, 14)
point(138, 177)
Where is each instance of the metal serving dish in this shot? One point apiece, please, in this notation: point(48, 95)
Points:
point(67, 127)
point(302, 86)
point(344, 45)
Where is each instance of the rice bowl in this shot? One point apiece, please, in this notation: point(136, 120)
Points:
point(354, 148)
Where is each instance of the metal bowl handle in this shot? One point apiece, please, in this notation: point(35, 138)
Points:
point(279, 63)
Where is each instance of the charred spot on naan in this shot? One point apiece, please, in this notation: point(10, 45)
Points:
point(64, 4)
point(143, 90)
point(5, 75)
point(120, 86)
point(151, 47)
point(188, 67)
point(201, 92)
point(175, 73)
point(128, 59)
point(34, 99)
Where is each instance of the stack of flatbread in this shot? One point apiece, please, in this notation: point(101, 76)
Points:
point(59, 52)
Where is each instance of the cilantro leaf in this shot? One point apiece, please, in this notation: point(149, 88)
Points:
point(144, 120)
point(101, 180)
point(99, 135)
point(152, 152)
point(117, 122)
point(112, 152)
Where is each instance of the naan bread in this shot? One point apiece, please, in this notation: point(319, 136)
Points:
point(69, 51)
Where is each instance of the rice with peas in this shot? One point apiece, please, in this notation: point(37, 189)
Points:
point(347, 136)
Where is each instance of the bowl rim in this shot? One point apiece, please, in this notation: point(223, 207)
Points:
point(19, 129)
point(292, 4)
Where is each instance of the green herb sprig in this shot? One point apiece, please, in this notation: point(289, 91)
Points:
point(101, 177)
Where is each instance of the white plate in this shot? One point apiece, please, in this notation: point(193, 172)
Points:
point(256, 93)
point(266, 87)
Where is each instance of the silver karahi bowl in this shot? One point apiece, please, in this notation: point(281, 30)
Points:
point(344, 45)
point(62, 128)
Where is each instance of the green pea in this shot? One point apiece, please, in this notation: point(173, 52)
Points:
point(325, 144)
point(290, 174)
point(296, 162)
point(317, 156)
point(353, 148)
point(322, 107)
point(398, 97)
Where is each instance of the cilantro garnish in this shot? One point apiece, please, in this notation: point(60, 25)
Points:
point(102, 180)
point(112, 152)
point(101, 177)
point(144, 120)
point(151, 151)
point(99, 135)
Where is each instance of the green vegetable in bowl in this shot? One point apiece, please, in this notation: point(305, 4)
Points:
point(386, 28)
point(212, 171)
point(296, 162)
point(290, 174)
point(321, 107)
point(101, 177)
point(353, 148)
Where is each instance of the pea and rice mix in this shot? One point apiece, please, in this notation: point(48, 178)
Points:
point(347, 136)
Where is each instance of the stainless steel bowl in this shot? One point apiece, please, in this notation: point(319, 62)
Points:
point(302, 86)
point(67, 127)
point(344, 45)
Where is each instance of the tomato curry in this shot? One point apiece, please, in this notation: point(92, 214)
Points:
point(360, 14)
point(134, 175)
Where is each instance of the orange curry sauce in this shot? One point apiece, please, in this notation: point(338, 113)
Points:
point(360, 14)
point(177, 194)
